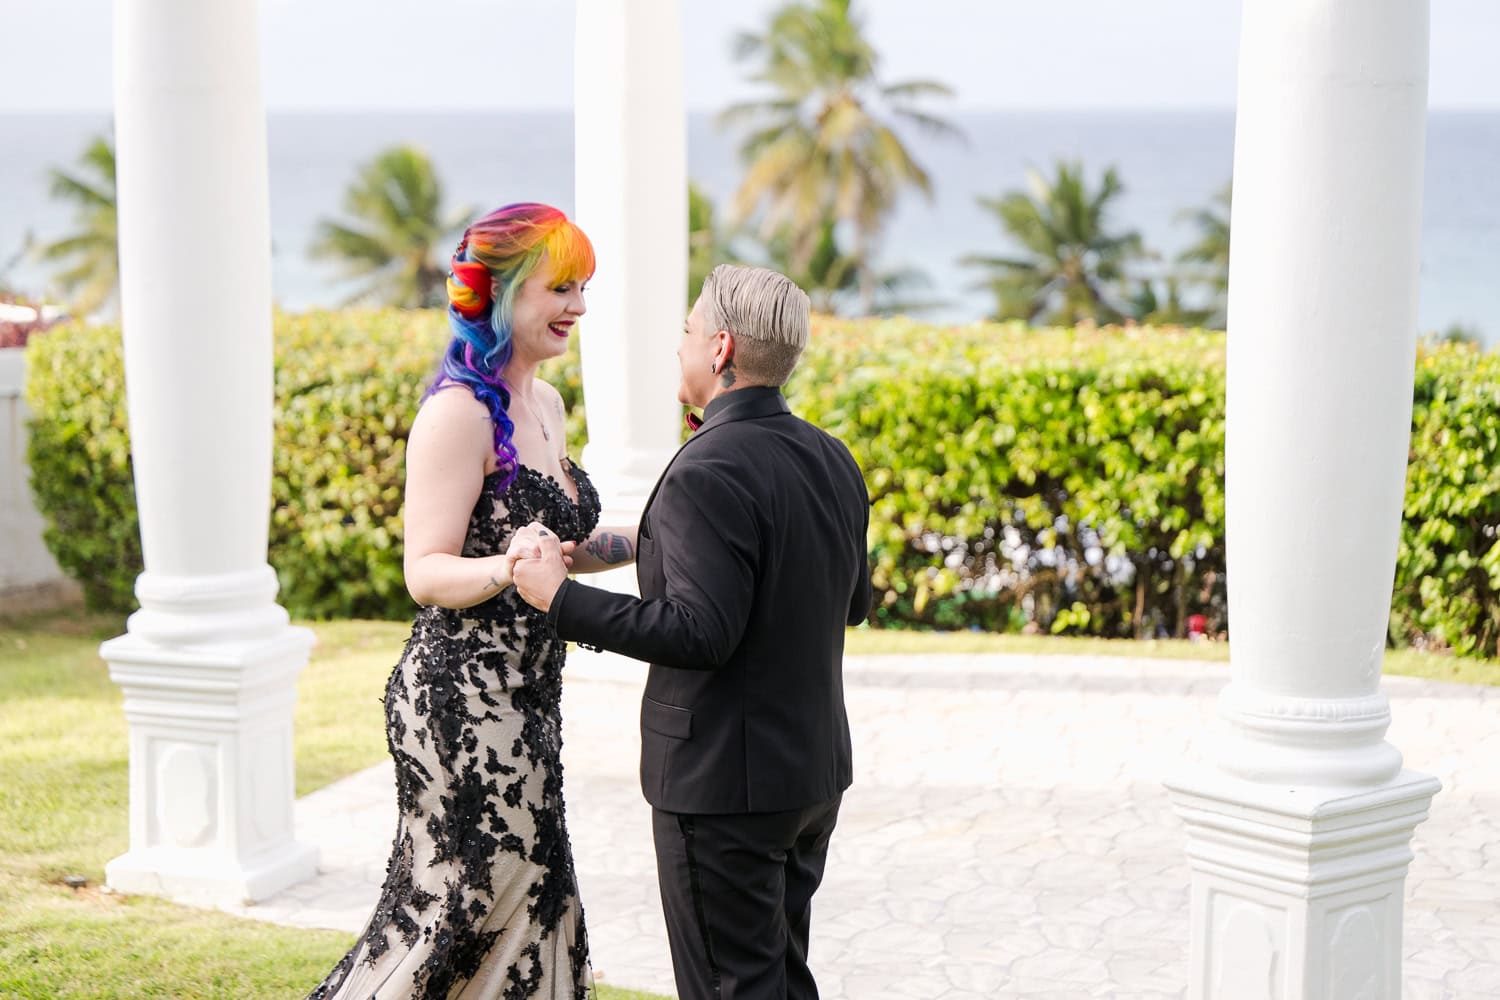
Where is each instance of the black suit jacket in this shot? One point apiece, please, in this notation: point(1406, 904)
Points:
point(752, 560)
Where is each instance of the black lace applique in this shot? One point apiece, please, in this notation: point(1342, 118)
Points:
point(474, 726)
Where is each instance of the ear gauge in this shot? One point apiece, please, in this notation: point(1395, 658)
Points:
point(713, 369)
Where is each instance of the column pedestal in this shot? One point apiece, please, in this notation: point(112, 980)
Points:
point(210, 683)
point(1297, 891)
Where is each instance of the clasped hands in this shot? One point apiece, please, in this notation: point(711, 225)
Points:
point(539, 563)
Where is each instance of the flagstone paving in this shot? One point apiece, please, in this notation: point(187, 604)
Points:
point(1007, 835)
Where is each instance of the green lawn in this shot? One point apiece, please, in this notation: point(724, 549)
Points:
point(63, 805)
point(63, 802)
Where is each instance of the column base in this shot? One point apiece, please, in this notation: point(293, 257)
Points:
point(212, 780)
point(206, 877)
point(1297, 891)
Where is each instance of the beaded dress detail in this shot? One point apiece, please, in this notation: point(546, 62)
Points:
point(480, 899)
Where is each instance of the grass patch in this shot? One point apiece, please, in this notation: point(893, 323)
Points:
point(63, 803)
point(63, 794)
point(339, 725)
point(58, 942)
point(63, 810)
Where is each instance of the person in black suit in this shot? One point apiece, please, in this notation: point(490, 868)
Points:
point(752, 561)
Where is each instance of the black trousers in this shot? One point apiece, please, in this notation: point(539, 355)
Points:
point(737, 893)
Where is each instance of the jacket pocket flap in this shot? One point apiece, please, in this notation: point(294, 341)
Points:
point(669, 720)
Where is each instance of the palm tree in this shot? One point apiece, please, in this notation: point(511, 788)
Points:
point(90, 257)
point(820, 150)
point(1165, 308)
point(831, 276)
point(708, 242)
point(8, 291)
point(1073, 265)
point(1207, 261)
point(399, 239)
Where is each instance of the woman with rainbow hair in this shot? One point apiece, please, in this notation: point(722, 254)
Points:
point(480, 898)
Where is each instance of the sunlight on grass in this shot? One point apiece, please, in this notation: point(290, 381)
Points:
point(339, 726)
point(55, 942)
point(63, 802)
point(63, 796)
point(63, 810)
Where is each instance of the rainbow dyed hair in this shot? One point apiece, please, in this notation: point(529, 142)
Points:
point(498, 253)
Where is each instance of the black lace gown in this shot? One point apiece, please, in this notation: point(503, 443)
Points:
point(480, 899)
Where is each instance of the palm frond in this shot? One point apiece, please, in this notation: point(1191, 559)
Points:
point(398, 233)
point(939, 128)
point(822, 146)
point(907, 89)
point(90, 254)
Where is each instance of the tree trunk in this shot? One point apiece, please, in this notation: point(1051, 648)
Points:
point(866, 270)
point(1179, 598)
point(1142, 581)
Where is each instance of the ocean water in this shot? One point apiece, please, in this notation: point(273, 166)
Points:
point(1170, 163)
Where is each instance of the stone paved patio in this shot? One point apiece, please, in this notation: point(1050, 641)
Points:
point(1007, 835)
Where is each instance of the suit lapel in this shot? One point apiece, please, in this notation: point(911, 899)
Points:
point(746, 404)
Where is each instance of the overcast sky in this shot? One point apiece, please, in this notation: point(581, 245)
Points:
point(378, 54)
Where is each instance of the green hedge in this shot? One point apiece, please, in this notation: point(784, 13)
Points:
point(79, 452)
point(1070, 480)
point(347, 387)
point(1448, 563)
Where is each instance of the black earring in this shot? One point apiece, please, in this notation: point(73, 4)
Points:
point(713, 369)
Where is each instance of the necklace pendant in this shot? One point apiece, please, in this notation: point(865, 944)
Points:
point(545, 435)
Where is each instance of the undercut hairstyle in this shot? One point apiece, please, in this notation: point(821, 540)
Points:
point(768, 314)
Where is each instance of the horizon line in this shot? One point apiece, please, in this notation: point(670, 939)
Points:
point(691, 110)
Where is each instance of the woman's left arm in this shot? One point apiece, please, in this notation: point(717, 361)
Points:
point(606, 548)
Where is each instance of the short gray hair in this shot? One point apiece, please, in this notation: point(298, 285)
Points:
point(768, 315)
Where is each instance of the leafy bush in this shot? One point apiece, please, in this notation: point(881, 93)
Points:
point(79, 453)
point(1072, 478)
point(347, 388)
point(1448, 564)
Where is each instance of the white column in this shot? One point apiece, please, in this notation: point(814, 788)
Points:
point(1299, 829)
point(630, 148)
point(209, 663)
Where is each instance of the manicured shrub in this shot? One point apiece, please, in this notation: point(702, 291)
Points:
point(1448, 564)
point(1071, 478)
point(78, 448)
point(347, 388)
point(1068, 480)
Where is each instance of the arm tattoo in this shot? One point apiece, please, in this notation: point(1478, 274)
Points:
point(610, 548)
point(726, 374)
point(494, 583)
